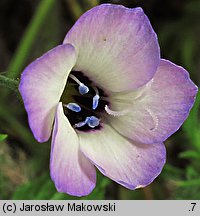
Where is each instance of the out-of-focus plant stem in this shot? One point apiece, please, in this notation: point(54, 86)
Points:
point(188, 183)
point(24, 48)
point(75, 8)
point(16, 65)
point(21, 132)
point(92, 3)
point(18, 128)
point(148, 193)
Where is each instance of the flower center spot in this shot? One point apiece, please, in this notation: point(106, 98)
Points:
point(83, 102)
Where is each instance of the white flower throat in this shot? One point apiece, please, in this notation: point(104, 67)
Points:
point(83, 102)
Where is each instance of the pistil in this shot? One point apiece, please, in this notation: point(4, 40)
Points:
point(116, 113)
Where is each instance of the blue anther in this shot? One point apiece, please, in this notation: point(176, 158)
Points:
point(83, 123)
point(95, 102)
point(93, 121)
point(74, 107)
point(83, 89)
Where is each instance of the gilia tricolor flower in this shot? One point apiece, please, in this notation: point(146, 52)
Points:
point(110, 99)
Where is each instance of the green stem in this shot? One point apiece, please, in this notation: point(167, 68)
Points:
point(24, 48)
point(9, 83)
point(75, 8)
point(92, 3)
point(188, 183)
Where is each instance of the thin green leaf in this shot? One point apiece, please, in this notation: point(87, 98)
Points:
point(190, 154)
point(2, 137)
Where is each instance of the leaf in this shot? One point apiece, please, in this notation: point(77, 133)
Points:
point(31, 189)
point(170, 171)
point(42, 188)
point(189, 183)
point(190, 154)
point(191, 173)
point(2, 137)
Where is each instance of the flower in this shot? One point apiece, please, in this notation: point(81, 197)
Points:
point(110, 99)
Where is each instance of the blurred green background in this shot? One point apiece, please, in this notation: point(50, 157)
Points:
point(30, 28)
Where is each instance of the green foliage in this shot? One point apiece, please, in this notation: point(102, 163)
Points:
point(24, 48)
point(42, 187)
point(2, 137)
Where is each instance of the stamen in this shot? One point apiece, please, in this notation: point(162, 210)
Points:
point(95, 102)
point(81, 124)
point(93, 121)
point(73, 106)
point(84, 113)
point(116, 113)
point(83, 89)
point(95, 98)
point(74, 78)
